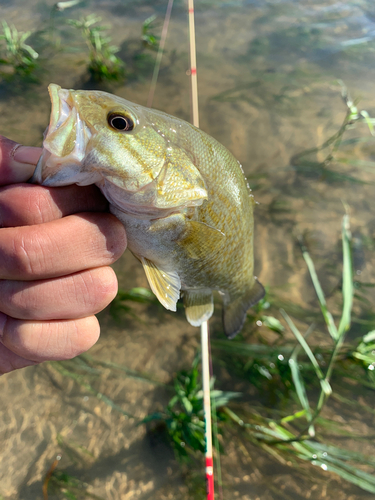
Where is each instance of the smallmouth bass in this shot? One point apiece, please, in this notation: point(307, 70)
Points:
point(181, 195)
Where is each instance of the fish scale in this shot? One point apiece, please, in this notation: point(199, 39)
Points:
point(181, 195)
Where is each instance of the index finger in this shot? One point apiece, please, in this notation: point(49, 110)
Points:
point(27, 204)
point(17, 162)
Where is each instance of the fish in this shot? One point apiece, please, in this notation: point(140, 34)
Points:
point(182, 196)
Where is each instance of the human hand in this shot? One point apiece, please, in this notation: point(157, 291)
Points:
point(56, 245)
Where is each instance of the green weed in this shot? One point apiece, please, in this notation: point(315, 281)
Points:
point(120, 304)
point(291, 428)
point(59, 482)
point(183, 416)
point(287, 437)
point(303, 163)
point(17, 54)
point(103, 62)
point(148, 37)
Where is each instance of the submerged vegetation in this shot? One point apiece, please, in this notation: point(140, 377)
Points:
point(149, 39)
point(16, 54)
point(289, 423)
point(103, 62)
point(304, 163)
point(183, 415)
point(285, 386)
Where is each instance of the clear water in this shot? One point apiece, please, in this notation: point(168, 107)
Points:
point(268, 76)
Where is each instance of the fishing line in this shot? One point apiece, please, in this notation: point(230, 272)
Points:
point(160, 54)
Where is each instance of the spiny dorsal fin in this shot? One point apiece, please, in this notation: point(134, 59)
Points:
point(165, 284)
point(201, 240)
point(234, 312)
point(199, 306)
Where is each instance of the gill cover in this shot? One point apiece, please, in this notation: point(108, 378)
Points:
point(140, 168)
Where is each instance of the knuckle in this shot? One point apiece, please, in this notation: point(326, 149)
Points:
point(29, 252)
point(25, 205)
point(97, 288)
point(40, 206)
point(116, 238)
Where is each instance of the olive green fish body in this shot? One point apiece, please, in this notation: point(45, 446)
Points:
point(180, 194)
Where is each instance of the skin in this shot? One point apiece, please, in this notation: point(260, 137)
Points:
point(56, 246)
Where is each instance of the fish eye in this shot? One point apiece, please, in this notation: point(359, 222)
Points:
point(120, 122)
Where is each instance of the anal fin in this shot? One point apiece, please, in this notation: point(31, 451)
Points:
point(234, 311)
point(165, 284)
point(199, 305)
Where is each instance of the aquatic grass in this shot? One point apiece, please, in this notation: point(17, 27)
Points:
point(18, 55)
point(270, 89)
point(103, 62)
point(300, 386)
point(69, 486)
point(127, 372)
point(84, 370)
point(60, 481)
point(120, 304)
point(284, 435)
point(148, 37)
point(286, 446)
point(354, 116)
point(183, 415)
point(337, 333)
point(366, 350)
point(66, 371)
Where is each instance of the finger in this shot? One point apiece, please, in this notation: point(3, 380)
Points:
point(17, 162)
point(39, 341)
point(24, 204)
point(76, 296)
point(10, 361)
point(61, 247)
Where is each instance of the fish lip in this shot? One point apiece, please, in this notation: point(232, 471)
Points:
point(65, 140)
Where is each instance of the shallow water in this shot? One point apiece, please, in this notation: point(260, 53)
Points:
point(268, 76)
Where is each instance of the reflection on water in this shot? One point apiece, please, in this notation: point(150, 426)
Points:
point(268, 83)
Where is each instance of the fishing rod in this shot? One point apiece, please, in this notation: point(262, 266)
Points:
point(204, 326)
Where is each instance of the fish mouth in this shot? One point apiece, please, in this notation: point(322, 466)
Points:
point(65, 142)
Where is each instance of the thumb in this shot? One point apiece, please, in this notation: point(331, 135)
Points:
point(17, 162)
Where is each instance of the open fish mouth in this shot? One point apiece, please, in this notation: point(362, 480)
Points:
point(65, 143)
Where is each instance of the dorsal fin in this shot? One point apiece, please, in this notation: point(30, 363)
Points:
point(165, 284)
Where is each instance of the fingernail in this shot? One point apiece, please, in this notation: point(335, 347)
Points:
point(23, 161)
point(26, 154)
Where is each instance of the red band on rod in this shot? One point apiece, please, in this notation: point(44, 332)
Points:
point(210, 478)
point(193, 71)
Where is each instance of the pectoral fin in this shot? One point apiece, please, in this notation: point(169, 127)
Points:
point(199, 306)
point(201, 240)
point(165, 284)
point(179, 183)
point(234, 311)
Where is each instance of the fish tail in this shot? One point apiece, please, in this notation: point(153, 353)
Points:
point(234, 311)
